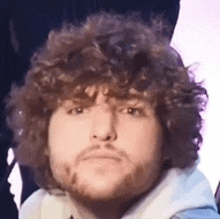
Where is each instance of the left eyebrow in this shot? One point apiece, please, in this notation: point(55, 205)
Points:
point(132, 103)
point(132, 98)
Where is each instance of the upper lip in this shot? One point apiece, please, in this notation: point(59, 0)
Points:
point(102, 154)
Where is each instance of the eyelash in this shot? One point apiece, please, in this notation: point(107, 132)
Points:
point(75, 110)
point(131, 110)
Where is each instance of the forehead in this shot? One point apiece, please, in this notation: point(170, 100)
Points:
point(105, 92)
point(99, 94)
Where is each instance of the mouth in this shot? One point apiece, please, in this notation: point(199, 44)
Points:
point(102, 156)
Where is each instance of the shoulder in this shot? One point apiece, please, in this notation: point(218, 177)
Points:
point(31, 207)
point(198, 213)
point(43, 205)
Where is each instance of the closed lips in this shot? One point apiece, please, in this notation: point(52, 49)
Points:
point(102, 156)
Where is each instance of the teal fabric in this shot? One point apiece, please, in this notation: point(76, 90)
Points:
point(199, 213)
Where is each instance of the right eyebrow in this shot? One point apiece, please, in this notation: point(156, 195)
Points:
point(75, 101)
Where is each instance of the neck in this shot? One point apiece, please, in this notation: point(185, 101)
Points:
point(103, 209)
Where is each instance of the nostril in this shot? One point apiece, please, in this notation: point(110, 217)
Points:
point(108, 138)
point(103, 138)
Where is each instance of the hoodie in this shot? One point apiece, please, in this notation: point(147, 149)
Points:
point(181, 194)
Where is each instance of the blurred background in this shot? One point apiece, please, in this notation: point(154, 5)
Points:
point(197, 38)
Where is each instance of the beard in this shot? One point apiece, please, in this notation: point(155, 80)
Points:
point(107, 186)
point(104, 180)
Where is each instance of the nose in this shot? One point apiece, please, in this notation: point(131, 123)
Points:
point(103, 126)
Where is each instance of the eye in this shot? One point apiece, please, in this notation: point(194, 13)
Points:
point(133, 111)
point(75, 111)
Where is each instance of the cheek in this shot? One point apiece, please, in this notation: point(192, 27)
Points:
point(61, 170)
point(65, 142)
point(67, 139)
point(143, 141)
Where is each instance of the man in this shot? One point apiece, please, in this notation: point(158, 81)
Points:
point(25, 26)
point(109, 120)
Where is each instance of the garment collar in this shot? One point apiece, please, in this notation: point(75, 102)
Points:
point(179, 190)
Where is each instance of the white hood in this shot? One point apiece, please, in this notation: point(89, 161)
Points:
point(179, 190)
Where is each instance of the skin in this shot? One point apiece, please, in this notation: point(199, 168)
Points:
point(105, 152)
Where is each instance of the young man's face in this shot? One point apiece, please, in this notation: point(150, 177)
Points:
point(105, 149)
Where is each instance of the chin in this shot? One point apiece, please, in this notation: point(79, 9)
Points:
point(103, 188)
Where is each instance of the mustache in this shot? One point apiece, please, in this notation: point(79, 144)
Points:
point(97, 148)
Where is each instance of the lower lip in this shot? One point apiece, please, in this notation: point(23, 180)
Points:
point(102, 159)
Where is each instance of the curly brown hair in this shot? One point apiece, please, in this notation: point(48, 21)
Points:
point(115, 49)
